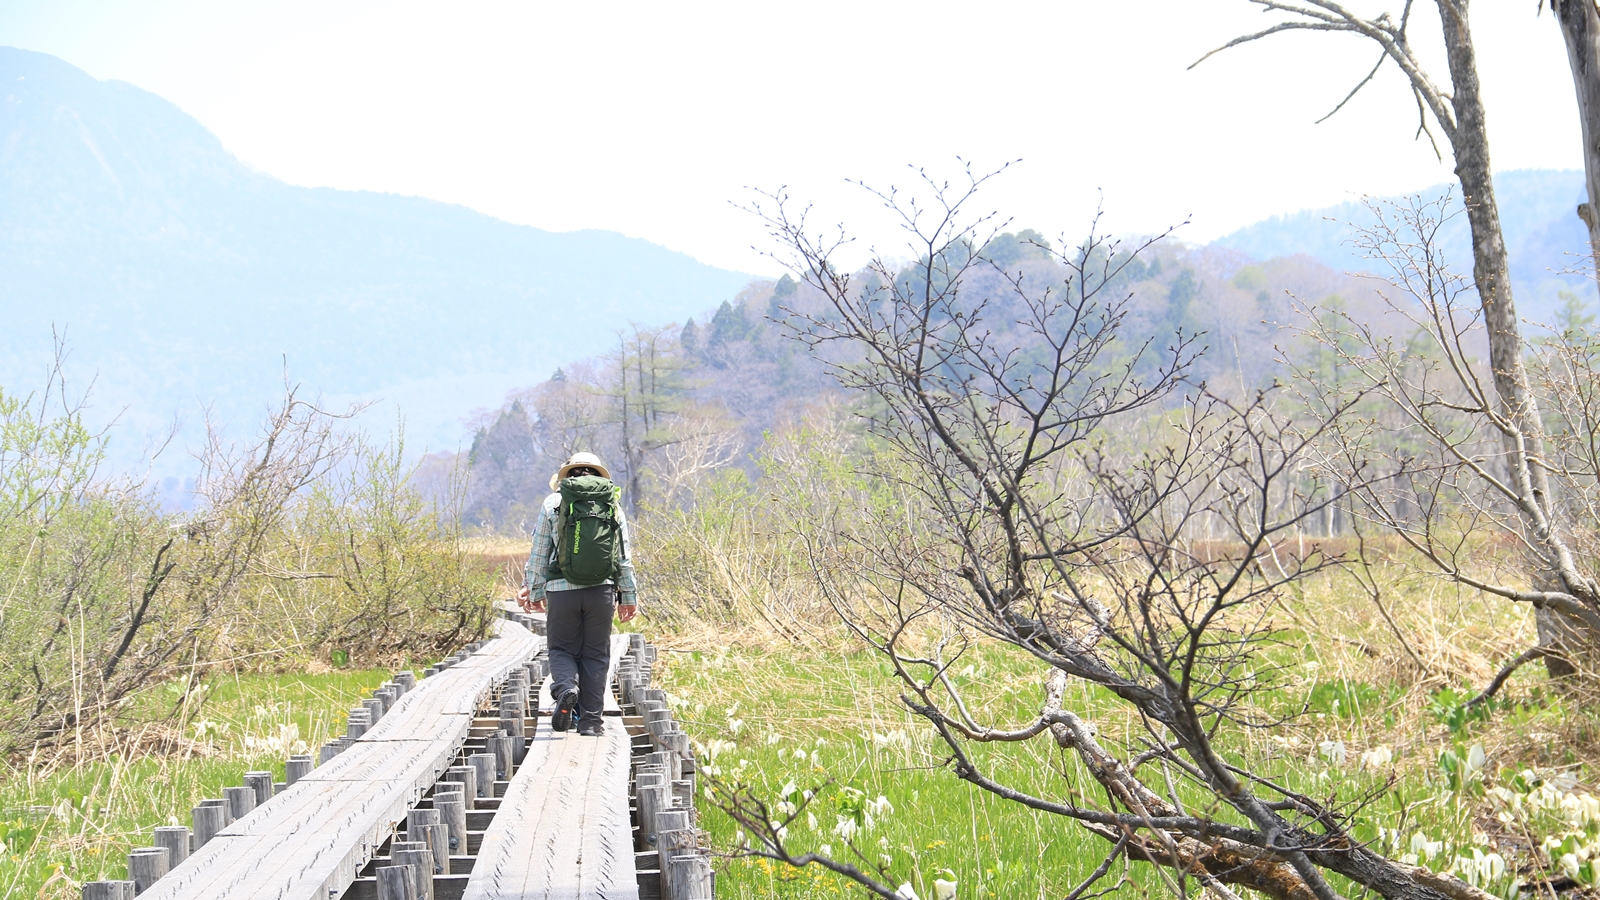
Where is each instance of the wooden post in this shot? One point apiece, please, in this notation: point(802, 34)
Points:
point(673, 838)
point(396, 883)
point(296, 768)
point(510, 722)
point(208, 820)
point(407, 679)
point(483, 766)
point(176, 839)
point(651, 800)
point(687, 877)
point(468, 778)
point(374, 708)
point(108, 890)
point(145, 865)
point(227, 811)
point(262, 783)
point(359, 721)
point(437, 837)
point(683, 794)
point(241, 801)
point(500, 746)
point(671, 766)
point(453, 812)
point(419, 859)
point(416, 819)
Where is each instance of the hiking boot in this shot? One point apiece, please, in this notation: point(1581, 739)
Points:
point(561, 719)
point(591, 729)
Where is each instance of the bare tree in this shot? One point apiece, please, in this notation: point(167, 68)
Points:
point(1016, 516)
point(1435, 473)
point(1580, 31)
point(1458, 113)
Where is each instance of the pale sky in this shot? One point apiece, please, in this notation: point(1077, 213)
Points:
point(649, 119)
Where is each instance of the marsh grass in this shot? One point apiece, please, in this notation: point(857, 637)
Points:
point(64, 823)
point(1375, 706)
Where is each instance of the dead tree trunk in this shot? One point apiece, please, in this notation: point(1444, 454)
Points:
point(1525, 441)
point(1580, 30)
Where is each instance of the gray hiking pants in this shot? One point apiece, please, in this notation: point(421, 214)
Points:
point(578, 627)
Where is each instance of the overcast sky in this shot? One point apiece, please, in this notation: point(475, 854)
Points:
point(651, 119)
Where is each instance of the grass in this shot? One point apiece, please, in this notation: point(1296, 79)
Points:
point(64, 822)
point(1378, 719)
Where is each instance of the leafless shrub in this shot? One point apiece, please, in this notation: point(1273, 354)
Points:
point(1037, 531)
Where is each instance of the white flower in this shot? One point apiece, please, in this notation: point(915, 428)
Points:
point(1332, 751)
point(1569, 864)
point(773, 738)
point(826, 849)
point(1377, 757)
point(881, 806)
point(811, 820)
point(1493, 866)
point(800, 754)
point(1476, 759)
point(1421, 846)
point(734, 725)
point(944, 886)
point(905, 891)
point(846, 827)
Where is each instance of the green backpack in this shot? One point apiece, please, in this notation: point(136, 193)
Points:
point(588, 535)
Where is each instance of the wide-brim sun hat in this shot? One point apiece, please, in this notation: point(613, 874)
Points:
point(575, 461)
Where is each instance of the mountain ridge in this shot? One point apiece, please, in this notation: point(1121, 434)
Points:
point(183, 277)
point(1544, 236)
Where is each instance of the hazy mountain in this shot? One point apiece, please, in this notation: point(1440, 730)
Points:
point(1537, 209)
point(183, 278)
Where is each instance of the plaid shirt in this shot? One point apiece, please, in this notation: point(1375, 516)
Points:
point(537, 573)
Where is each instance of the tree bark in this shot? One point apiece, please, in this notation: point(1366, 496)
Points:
point(1580, 30)
point(1470, 144)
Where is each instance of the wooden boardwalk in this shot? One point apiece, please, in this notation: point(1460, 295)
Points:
point(310, 841)
point(563, 831)
point(558, 825)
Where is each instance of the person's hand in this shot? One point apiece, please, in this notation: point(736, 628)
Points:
point(627, 611)
point(537, 605)
point(522, 599)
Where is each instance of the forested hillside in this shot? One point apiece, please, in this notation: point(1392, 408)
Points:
point(670, 404)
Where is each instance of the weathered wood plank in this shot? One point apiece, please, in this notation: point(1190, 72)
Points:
point(316, 835)
point(563, 831)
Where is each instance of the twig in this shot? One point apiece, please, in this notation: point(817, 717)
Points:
point(1522, 659)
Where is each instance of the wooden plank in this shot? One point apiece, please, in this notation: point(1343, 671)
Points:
point(322, 830)
point(563, 831)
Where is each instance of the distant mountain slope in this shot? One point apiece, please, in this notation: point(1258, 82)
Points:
point(184, 278)
point(1537, 209)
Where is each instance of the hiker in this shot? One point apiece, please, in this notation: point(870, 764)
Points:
point(580, 568)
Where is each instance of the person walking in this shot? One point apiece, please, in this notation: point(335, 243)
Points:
point(579, 571)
